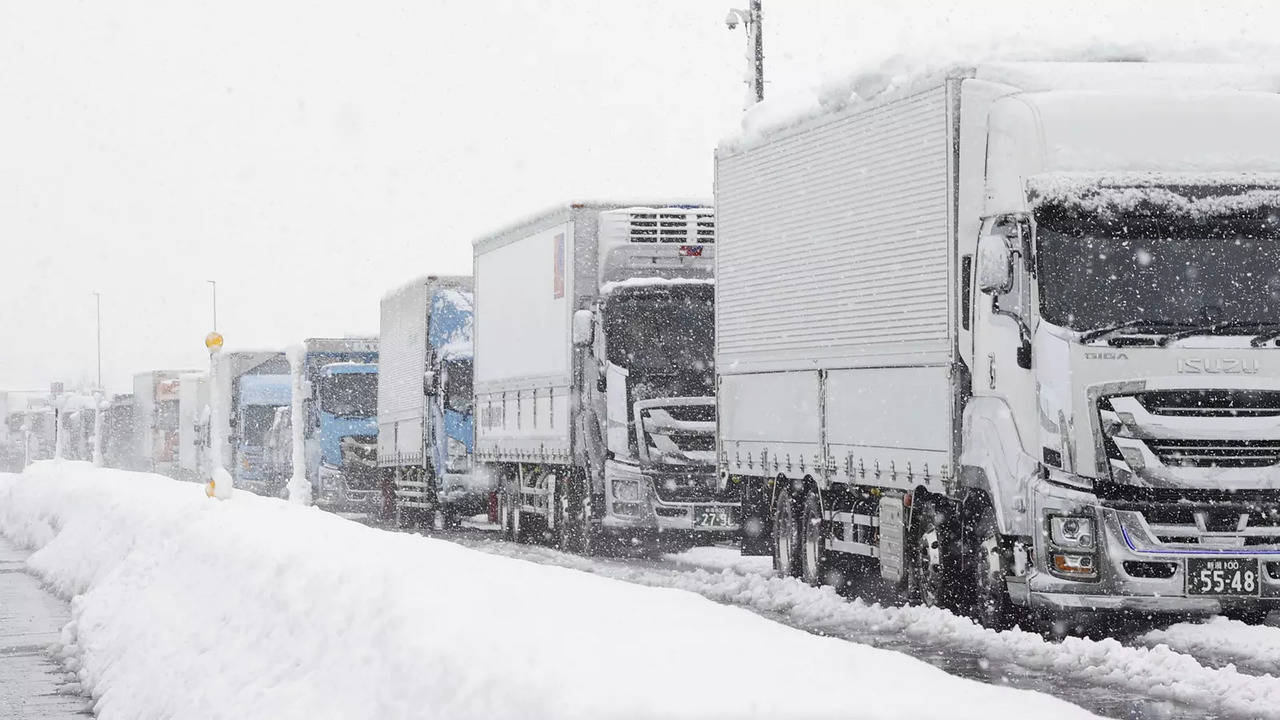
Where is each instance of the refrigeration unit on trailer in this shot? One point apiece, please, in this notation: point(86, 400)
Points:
point(425, 403)
point(340, 388)
point(155, 397)
point(594, 379)
point(1009, 335)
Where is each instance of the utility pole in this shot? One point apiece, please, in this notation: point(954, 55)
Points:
point(752, 22)
point(97, 297)
point(214, 283)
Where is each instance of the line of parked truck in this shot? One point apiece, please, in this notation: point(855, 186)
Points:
point(1002, 336)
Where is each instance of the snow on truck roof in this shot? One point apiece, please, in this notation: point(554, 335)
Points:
point(774, 117)
point(553, 214)
point(349, 368)
point(463, 282)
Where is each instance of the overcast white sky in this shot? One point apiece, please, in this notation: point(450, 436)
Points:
point(312, 155)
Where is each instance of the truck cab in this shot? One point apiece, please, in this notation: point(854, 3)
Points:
point(345, 429)
point(260, 395)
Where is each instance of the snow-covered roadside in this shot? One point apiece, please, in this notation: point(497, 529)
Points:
point(188, 607)
point(1159, 671)
point(1256, 647)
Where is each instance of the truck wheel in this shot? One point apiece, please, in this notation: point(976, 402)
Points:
point(573, 530)
point(925, 572)
point(786, 536)
point(813, 554)
point(987, 570)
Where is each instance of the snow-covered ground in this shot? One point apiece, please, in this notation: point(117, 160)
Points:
point(1185, 671)
point(188, 607)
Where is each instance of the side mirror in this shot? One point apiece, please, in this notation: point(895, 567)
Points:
point(429, 381)
point(584, 322)
point(995, 263)
point(308, 391)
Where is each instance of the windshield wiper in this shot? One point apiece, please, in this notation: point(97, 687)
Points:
point(1216, 328)
point(1136, 324)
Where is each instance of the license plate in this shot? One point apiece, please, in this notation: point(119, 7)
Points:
point(712, 517)
point(1233, 576)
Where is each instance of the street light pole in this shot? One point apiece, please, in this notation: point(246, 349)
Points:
point(214, 283)
point(97, 297)
point(752, 22)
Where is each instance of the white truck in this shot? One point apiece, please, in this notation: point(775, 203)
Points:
point(155, 397)
point(425, 403)
point(1007, 335)
point(193, 426)
point(594, 395)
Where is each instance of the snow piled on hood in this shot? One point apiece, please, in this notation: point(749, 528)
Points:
point(255, 608)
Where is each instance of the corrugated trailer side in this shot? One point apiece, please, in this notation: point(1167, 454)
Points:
point(402, 361)
point(834, 331)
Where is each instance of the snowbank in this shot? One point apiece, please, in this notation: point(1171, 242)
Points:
point(254, 608)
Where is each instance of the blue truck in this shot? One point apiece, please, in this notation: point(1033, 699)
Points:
point(425, 424)
point(340, 387)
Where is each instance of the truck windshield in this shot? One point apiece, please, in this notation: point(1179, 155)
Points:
point(256, 423)
point(664, 331)
point(349, 394)
point(1208, 259)
point(457, 384)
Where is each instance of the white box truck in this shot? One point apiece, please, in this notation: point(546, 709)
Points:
point(425, 403)
point(193, 427)
point(1008, 334)
point(155, 396)
point(593, 374)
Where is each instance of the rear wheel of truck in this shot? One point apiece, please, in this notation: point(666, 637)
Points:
point(988, 565)
point(786, 535)
point(814, 563)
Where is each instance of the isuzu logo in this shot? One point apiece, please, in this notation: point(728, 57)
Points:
point(1217, 366)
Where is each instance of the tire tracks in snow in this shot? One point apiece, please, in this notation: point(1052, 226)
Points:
point(1159, 666)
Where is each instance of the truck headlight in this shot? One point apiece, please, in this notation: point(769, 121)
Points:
point(1071, 532)
point(627, 490)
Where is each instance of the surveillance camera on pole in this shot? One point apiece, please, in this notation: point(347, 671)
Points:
point(751, 20)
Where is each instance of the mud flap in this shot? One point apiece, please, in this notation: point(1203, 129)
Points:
point(892, 539)
point(757, 521)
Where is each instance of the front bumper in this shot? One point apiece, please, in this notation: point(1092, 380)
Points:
point(652, 513)
point(1126, 548)
point(335, 494)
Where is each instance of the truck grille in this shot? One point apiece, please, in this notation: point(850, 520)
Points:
point(1216, 453)
point(1211, 403)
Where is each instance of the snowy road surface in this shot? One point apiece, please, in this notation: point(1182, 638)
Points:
point(1218, 669)
point(255, 608)
point(33, 685)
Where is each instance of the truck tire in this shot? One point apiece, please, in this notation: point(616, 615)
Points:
point(987, 567)
point(926, 571)
point(814, 563)
point(573, 528)
point(786, 535)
